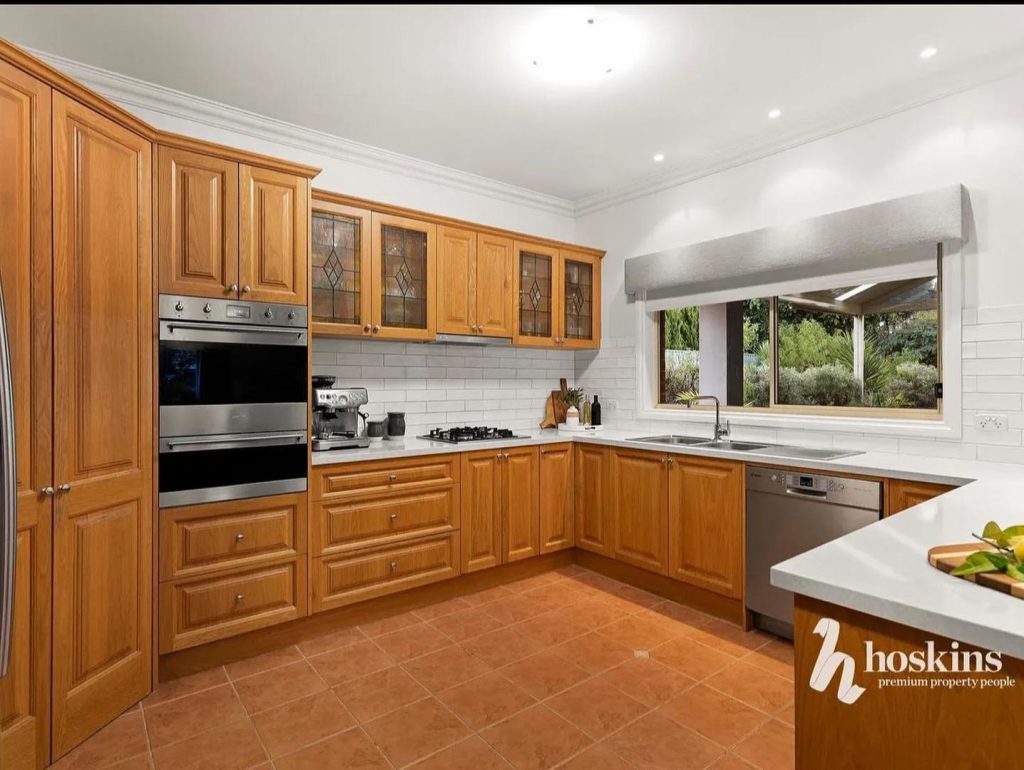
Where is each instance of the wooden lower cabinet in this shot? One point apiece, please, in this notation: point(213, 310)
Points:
point(638, 502)
point(906, 494)
point(343, 580)
point(705, 502)
point(556, 498)
point(383, 477)
point(520, 512)
point(593, 532)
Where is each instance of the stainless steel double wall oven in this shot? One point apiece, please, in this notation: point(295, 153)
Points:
point(233, 399)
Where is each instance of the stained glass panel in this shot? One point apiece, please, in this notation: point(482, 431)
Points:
point(579, 300)
point(404, 278)
point(535, 276)
point(336, 268)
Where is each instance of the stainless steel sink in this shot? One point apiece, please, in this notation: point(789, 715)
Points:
point(769, 450)
point(733, 446)
point(676, 440)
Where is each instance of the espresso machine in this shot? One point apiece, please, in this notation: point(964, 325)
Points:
point(336, 416)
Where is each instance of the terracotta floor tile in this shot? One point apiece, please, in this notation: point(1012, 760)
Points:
point(772, 747)
point(138, 762)
point(274, 687)
point(347, 663)
point(561, 594)
point(714, 715)
point(543, 674)
point(646, 680)
point(515, 609)
point(787, 714)
point(534, 581)
point(487, 596)
point(184, 717)
point(592, 613)
point(389, 624)
point(332, 641)
point(483, 701)
point(535, 739)
point(416, 730)
point(123, 738)
point(754, 686)
point(593, 653)
point(637, 633)
point(599, 581)
point(501, 647)
point(186, 685)
point(345, 751)
point(446, 668)
point(301, 722)
point(412, 642)
point(471, 754)
point(233, 747)
point(265, 662)
point(730, 762)
point(466, 624)
point(655, 742)
point(596, 707)
point(729, 638)
point(550, 629)
point(379, 693)
point(440, 609)
point(597, 757)
point(692, 658)
point(682, 614)
point(776, 656)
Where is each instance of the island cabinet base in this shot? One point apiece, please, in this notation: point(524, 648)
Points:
point(903, 718)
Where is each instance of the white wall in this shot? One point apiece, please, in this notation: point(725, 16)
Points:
point(975, 138)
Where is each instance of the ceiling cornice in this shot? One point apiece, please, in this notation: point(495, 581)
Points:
point(133, 92)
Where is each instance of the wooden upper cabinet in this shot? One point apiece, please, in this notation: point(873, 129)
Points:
point(273, 235)
point(197, 224)
point(404, 277)
point(593, 530)
point(639, 508)
point(907, 494)
point(536, 286)
point(556, 497)
point(706, 524)
point(579, 293)
point(26, 278)
point(456, 280)
point(520, 513)
point(103, 421)
point(340, 246)
point(482, 502)
point(495, 278)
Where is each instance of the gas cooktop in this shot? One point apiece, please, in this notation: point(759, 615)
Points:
point(469, 433)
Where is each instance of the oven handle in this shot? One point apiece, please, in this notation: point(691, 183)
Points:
point(267, 439)
point(245, 334)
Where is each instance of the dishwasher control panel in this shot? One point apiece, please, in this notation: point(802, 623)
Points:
point(859, 493)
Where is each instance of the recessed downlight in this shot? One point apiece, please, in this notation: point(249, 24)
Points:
point(929, 52)
point(659, 157)
point(775, 113)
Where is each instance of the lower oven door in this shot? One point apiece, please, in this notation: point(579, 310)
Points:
point(204, 469)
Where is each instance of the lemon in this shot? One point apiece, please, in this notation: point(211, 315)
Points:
point(1018, 551)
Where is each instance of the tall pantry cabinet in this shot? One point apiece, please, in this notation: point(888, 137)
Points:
point(76, 267)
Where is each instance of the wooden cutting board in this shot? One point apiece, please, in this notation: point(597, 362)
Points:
point(948, 557)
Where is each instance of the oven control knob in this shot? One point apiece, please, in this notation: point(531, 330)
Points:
point(291, 315)
point(179, 305)
point(268, 313)
point(207, 308)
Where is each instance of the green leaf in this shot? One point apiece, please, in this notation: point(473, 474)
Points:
point(979, 561)
point(995, 533)
point(1015, 571)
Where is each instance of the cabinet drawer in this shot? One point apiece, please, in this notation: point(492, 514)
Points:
point(200, 539)
point(338, 581)
point(198, 611)
point(348, 525)
point(383, 478)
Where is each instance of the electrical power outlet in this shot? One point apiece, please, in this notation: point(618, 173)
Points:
point(991, 422)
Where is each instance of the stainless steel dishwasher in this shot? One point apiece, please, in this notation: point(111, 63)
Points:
point(790, 513)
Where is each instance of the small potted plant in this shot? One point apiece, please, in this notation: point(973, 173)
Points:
point(572, 398)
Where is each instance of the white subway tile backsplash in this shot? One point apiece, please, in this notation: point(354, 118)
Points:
point(1003, 331)
point(1000, 314)
point(1001, 349)
point(993, 401)
point(1000, 384)
point(993, 366)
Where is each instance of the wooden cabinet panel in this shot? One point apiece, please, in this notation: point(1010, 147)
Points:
point(482, 502)
point(556, 497)
point(26, 278)
point(341, 265)
point(198, 611)
point(274, 235)
point(456, 280)
point(907, 494)
point(197, 224)
point(592, 525)
point(639, 508)
point(404, 277)
point(495, 279)
point(199, 539)
point(536, 295)
point(374, 478)
point(579, 293)
point(339, 581)
point(351, 525)
point(103, 421)
point(520, 514)
point(706, 524)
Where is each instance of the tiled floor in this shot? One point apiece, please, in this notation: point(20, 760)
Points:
point(566, 669)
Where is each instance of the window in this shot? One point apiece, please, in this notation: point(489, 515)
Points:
point(870, 346)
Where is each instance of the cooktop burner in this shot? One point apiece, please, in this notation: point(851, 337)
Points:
point(469, 433)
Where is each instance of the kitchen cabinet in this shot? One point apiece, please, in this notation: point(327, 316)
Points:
point(404, 277)
point(228, 229)
point(520, 512)
point(558, 297)
point(906, 494)
point(705, 502)
point(341, 269)
point(556, 500)
point(638, 501)
point(26, 278)
point(593, 530)
point(579, 300)
point(102, 421)
point(474, 280)
point(495, 277)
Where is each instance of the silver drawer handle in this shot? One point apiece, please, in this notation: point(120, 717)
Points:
point(239, 537)
point(234, 440)
point(393, 517)
point(394, 566)
point(239, 598)
point(392, 477)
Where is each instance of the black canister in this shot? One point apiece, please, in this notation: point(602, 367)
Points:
point(396, 424)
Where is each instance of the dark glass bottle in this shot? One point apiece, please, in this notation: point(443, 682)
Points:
point(595, 412)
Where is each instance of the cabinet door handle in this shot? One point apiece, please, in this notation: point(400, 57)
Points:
point(376, 328)
point(393, 517)
point(392, 477)
point(48, 491)
point(239, 537)
point(239, 598)
point(394, 566)
point(65, 487)
point(233, 288)
point(366, 328)
point(246, 290)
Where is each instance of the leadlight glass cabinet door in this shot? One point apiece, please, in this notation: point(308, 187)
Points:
point(404, 278)
point(536, 285)
point(580, 301)
point(341, 267)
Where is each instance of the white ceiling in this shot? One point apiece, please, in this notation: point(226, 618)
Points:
point(452, 84)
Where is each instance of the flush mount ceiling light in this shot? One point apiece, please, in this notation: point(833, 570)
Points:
point(659, 157)
point(774, 113)
point(581, 45)
point(929, 52)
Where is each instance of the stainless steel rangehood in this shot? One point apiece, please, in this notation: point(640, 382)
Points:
point(472, 339)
